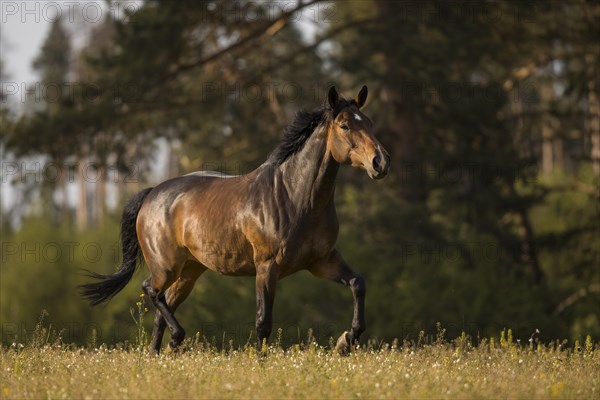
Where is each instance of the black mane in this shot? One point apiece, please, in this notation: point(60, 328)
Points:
point(300, 129)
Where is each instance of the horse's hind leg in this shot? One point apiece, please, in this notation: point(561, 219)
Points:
point(155, 287)
point(157, 332)
point(176, 294)
point(157, 296)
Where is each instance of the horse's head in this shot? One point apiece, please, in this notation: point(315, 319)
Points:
point(350, 136)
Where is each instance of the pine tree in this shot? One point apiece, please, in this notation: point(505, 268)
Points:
point(53, 64)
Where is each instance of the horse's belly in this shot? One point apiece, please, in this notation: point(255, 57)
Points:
point(226, 260)
point(230, 264)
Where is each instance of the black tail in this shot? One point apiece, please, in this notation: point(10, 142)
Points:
point(109, 285)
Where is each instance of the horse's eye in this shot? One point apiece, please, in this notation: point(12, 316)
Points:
point(345, 127)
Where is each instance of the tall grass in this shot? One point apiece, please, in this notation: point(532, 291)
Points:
point(495, 368)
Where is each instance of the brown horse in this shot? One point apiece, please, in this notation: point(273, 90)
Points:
point(269, 223)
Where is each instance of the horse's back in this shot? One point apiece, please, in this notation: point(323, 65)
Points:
point(197, 194)
point(211, 174)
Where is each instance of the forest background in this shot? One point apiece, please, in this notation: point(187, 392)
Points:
point(489, 219)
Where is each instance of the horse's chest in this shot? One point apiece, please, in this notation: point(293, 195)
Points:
point(308, 243)
point(294, 239)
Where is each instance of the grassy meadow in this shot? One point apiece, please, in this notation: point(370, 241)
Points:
point(495, 368)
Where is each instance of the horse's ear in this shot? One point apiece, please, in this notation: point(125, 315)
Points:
point(333, 98)
point(362, 97)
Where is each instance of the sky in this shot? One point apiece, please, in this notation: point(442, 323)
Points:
point(19, 44)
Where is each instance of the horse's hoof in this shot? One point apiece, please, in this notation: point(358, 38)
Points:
point(343, 344)
point(177, 348)
point(153, 351)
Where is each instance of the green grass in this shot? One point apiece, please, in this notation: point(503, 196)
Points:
point(494, 369)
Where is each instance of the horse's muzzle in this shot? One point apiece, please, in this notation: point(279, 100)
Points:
point(381, 166)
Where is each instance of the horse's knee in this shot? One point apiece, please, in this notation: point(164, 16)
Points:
point(147, 285)
point(358, 286)
point(148, 289)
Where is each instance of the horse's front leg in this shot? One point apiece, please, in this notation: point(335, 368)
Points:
point(266, 280)
point(336, 269)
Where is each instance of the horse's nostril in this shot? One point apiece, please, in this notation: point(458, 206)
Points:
point(377, 163)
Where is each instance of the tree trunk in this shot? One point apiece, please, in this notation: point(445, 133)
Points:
point(558, 153)
point(402, 129)
point(82, 203)
point(61, 188)
point(529, 254)
point(546, 96)
point(593, 113)
point(408, 165)
point(547, 149)
point(100, 195)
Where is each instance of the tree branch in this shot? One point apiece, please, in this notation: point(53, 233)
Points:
point(267, 30)
point(167, 107)
point(311, 47)
point(575, 297)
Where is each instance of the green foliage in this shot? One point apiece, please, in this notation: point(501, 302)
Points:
point(41, 268)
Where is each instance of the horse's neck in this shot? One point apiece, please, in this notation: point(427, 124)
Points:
point(309, 175)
